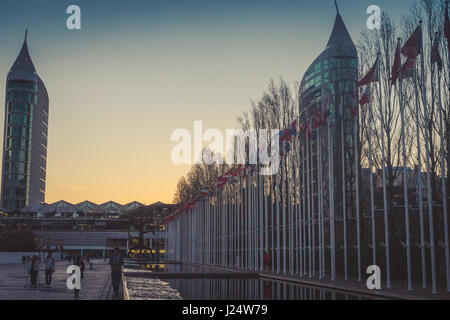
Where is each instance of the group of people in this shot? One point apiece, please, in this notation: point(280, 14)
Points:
point(33, 266)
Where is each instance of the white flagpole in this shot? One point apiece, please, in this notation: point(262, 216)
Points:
point(344, 193)
point(383, 167)
point(277, 200)
point(372, 205)
point(308, 190)
point(427, 149)
point(319, 196)
point(405, 182)
point(313, 224)
point(283, 204)
point(331, 196)
point(419, 186)
point(443, 182)
point(357, 164)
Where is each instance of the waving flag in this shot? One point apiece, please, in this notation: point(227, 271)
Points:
point(285, 135)
point(365, 99)
point(371, 76)
point(413, 45)
point(408, 68)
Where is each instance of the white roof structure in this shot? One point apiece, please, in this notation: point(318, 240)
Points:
point(84, 206)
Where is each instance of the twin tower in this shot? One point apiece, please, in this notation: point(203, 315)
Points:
point(25, 136)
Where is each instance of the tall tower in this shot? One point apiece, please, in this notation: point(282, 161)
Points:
point(328, 156)
point(25, 135)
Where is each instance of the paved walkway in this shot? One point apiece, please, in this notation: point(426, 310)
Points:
point(96, 284)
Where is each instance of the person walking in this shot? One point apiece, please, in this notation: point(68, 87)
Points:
point(34, 270)
point(49, 269)
point(116, 262)
point(78, 262)
point(266, 261)
point(28, 268)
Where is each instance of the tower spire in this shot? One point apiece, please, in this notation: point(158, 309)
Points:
point(337, 8)
point(26, 34)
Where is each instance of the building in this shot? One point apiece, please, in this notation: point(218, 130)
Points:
point(92, 228)
point(328, 90)
point(25, 135)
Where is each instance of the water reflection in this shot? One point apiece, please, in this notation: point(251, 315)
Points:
point(173, 268)
point(252, 289)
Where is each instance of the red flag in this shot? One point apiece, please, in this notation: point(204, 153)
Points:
point(397, 65)
point(365, 99)
point(308, 129)
point(408, 68)
point(435, 56)
point(286, 135)
point(413, 45)
point(317, 119)
point(371, 76)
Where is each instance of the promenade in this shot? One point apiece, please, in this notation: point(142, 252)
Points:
point(96, 284)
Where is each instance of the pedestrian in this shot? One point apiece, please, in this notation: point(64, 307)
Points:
point(266, 261)
point(28, 268)
point(34, 270)
point(49, 269)
point(116, 262)
point(78, 262)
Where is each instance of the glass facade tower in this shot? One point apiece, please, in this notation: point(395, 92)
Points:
point(329, 87)
point(25, 135)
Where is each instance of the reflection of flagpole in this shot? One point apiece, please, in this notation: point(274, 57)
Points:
point(405, 179)
point(444, 187)
point(427, 149)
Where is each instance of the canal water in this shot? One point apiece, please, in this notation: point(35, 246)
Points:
point(240, 287)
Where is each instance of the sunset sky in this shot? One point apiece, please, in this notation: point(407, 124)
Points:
point(138, 70)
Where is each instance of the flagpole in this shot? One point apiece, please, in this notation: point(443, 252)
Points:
point(372, 205)
point(344, 203)
point(331, 199)
point(319, 191)
point(383, 159)
point(313, 224)
point(358, 231)
point(304, 206)
point(444, 187)
point(405, 179)
point(308, 189)
point(427, 149)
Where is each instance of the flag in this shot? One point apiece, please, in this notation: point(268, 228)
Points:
point(204, 192)
point(319, 119)
point(413, 45)
point(435, 56)
point(408, 68)
point(285, 135)
point(396, 67)
point(371, 76)
point(365, 99)
point(308, 129)
point(293, 128)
